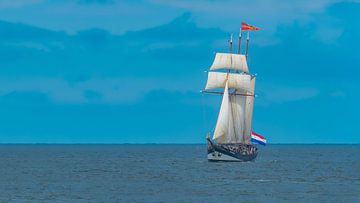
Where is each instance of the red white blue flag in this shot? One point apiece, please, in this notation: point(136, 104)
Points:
point(256, 138)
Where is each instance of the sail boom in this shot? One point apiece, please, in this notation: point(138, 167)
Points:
point(211, 92)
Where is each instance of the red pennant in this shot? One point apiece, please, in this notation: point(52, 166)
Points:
point(245, 26)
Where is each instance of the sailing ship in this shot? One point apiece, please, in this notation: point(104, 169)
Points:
point(231, 139)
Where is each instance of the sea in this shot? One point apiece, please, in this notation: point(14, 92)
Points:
point(177, 173)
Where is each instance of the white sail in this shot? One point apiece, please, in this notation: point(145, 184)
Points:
point(230, 61)
point(223, 131)
point(236, 81)
point(249, 113)
point(238, 112)
point(230, 137)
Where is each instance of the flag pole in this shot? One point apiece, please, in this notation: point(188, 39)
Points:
point(230, 43)
point(247, 44)
point(230, 48)
point(239, 45)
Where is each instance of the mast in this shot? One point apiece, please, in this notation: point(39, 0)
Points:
point(247, 44)
point(239, 44)
point(231, 122)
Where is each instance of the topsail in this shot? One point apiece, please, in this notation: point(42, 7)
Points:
point(230, 61)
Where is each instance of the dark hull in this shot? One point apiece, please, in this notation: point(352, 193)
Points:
point(231, 152)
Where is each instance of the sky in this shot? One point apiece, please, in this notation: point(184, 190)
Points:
point(111, 71)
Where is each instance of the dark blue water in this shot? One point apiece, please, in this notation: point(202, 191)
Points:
point(177, 173)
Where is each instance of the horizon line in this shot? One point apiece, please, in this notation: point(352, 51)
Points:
point(154, 143)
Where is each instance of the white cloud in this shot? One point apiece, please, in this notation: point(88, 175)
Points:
point(17, 3)
point(267, 14)
point(280, 94)
point(337, 93)
point(70, 16)
point(227, 15)
point(109, 90)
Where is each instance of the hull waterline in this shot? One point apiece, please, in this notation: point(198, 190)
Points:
point(236, 152)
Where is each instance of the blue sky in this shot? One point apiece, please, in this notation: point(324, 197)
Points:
point(108, 71)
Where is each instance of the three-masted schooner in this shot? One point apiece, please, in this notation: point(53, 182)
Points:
point(231, 140)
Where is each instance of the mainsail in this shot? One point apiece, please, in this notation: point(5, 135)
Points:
point(235, 115)
point(223, 130)
point(249, 106)
point(238, 109)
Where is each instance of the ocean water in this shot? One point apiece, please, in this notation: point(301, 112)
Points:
point(177, 173)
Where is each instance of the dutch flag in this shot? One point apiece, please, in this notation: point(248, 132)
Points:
point(258, 138)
